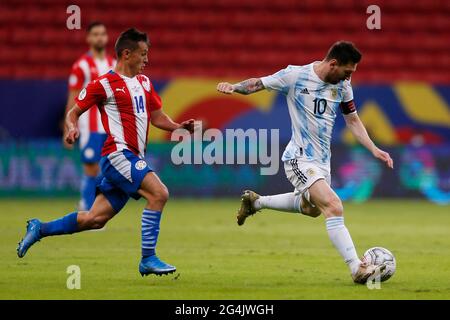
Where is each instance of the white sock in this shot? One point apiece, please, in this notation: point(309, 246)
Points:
point(288, 202)
point(342, 240)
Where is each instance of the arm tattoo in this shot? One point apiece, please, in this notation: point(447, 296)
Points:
point(249, 86)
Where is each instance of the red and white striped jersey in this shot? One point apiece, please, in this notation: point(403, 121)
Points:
point(125, 105)
point(85, 70)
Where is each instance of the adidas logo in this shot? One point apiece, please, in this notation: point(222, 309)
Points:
point(304, 91)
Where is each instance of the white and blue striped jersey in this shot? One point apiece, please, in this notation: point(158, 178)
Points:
point(313, 105)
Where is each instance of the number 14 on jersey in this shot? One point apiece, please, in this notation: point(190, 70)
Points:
point(139, 104)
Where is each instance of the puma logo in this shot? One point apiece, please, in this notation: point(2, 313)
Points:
point(121, 89)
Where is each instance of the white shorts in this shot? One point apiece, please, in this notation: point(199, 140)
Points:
point(302, 174)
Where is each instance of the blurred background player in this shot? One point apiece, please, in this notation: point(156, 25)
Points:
point(128, 102)
point(315, 92)
point(94, 63)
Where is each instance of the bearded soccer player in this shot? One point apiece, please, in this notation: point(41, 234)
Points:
point(315, 93)
point(96, 62)
point(127, 103)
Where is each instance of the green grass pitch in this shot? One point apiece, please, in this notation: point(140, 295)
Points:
point(273, 256)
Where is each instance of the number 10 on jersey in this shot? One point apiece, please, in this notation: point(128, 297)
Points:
point(320, 106)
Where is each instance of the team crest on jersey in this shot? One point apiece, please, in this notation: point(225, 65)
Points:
point(140, 165)
point(310, 172)
point(82, 94)
point(146, 85)
point(334, 93)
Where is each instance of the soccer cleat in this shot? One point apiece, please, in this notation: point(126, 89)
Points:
point(152, 265)
point(247, 208)
point(33, 235)
point(366, 270)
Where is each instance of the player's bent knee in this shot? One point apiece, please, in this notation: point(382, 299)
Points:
point(161, 195)
point(337, 208)
point(99, 222)
point(164, 194)
point(334, 207)
point(93, 221)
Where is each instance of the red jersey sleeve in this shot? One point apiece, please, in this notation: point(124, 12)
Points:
point(93, 94)
point(76, 78)
point(154, 103)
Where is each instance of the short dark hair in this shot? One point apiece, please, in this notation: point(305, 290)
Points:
point(129, 40)
point(344, 52)
point(94, 24)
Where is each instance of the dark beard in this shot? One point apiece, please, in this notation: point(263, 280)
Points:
point(332, 81)
point(99, 49)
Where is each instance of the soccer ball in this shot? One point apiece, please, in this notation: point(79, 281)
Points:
point(380, 255)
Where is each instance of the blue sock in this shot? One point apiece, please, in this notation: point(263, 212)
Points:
point(150, 231)
point(65, 225)
point(88, 185)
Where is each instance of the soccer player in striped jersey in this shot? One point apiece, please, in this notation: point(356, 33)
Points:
point(96, 62)
point(128, 103)
point(315, 93)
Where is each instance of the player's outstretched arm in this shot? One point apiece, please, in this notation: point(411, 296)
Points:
point(245, 87)
point(358, 130)
point(73, 93)
point(162, 121)
point(71, 132)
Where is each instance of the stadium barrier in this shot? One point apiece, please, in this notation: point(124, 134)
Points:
point(45, 168)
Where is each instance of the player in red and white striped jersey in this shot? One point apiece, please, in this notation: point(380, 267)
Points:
point(127, 102)
point(88, 67)
point(125, 107)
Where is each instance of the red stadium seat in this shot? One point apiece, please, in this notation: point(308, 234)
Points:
point(237, 37)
